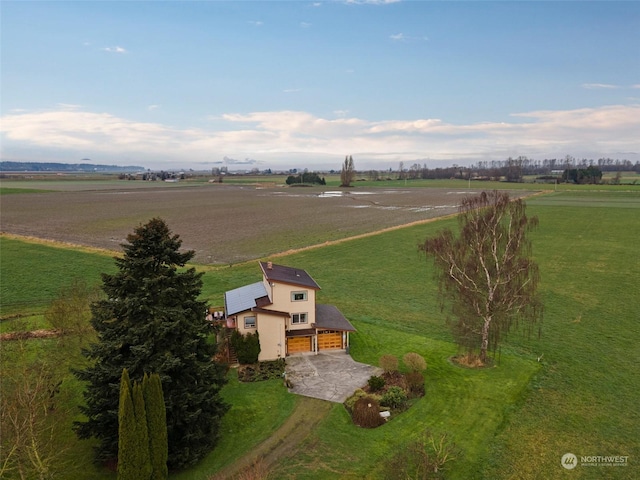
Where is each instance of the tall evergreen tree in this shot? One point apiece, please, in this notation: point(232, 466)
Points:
point(128, 444)
point(152, 321)
point(142, 434)
point(157, 422)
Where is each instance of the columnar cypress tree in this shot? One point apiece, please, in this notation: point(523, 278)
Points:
point(142, 433)
point(157, 423)
point(128, 444)
point(152, 321)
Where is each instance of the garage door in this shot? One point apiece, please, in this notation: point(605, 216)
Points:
point(298, 344)
point(329, 340)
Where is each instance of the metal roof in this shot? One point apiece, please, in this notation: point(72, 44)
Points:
point(243, 298)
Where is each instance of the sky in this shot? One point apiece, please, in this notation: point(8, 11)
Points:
point(299, 84)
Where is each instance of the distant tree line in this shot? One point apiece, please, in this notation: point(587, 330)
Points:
point(310, 178)
point(514, 170)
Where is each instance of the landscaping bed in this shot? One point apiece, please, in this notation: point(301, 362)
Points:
point(256, 372)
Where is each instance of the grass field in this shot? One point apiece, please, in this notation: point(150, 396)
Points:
point(512, 421)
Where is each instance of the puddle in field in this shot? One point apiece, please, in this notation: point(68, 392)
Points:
point(331, 194)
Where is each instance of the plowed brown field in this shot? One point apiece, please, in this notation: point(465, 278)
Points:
point(222, 223)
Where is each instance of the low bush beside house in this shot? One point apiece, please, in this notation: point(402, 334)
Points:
point(247, 347)
point(257, 372)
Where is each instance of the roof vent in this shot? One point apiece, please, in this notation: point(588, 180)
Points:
point(269, 265)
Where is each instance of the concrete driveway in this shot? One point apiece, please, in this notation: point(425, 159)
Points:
point(332, 376)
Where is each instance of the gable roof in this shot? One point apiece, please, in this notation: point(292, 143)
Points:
point(244, 298)
point(290, 275)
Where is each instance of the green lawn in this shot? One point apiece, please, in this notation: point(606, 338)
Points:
point(514, 420)
point(32, 274)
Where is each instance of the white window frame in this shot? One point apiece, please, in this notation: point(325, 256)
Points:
point(299, 316)
point(255, 322)
point(300, 292)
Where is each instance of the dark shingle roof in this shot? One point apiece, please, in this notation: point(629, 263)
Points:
point(330, 318)
point(290, 275)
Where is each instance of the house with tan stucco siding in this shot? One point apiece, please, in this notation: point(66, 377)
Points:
point(282, 309)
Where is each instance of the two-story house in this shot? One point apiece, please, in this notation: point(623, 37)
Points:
point(282, 309)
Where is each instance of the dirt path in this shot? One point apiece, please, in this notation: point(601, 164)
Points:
point(285, 441)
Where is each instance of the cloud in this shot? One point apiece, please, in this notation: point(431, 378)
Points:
point(596, 86)
point(282, 139)
point(151, 108)
point(233, 161)
point(69, 106)
point(115, 50)
point(256, 23)
point(292, 90)
point(401, 37)
point(305, 25)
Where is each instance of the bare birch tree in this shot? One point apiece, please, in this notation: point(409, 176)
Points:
point(487, 274)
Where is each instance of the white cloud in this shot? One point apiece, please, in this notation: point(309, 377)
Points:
point(292, 90)
point(256, 23)
point(153, 107)
point(115, 50)
point(596, 86)
point(69, 106)
point(281, 139)
point(305, 25)
point(401, 37)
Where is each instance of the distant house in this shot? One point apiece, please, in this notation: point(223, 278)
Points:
point(282, 309)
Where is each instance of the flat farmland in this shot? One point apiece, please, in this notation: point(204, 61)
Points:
point(224, 224)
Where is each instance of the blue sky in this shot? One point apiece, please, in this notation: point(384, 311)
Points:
point(297, 84)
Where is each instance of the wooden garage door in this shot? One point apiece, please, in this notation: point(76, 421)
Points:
point(298, 344)
point(329, 340)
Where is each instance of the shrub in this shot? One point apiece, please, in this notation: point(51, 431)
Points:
point(366, 413)
point(424, 458)
point(389, 363)
point(247, 346)
point(257, 372)
point(350, 402)
point(415, 383)
point(375, 383)
point(414, 362)
point(395, 397)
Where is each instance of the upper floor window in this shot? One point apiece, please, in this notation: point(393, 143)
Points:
point(298, 296)
point(298, 318)
point(249, 322)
